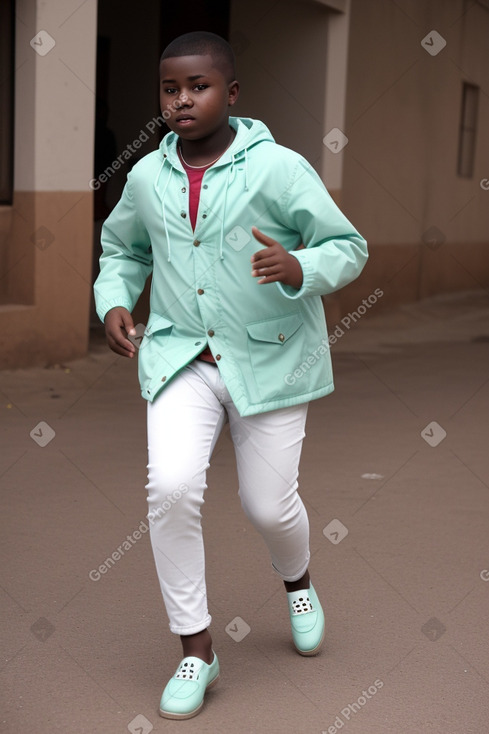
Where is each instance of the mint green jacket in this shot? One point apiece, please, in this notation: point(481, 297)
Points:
point(270, 341)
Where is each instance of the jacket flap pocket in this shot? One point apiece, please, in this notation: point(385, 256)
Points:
point(157, 323)
point(276, 330)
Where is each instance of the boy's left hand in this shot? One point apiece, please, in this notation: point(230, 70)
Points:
point(274, 263)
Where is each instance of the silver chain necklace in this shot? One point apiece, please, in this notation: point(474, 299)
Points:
point(205, 164)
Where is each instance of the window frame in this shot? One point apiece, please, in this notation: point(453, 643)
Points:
point(467, 136)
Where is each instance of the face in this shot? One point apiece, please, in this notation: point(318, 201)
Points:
point(196, 95)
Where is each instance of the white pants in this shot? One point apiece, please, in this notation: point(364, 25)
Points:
point(184, 423)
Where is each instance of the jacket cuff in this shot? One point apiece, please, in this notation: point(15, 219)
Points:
point(105, 307)
point(307, 276)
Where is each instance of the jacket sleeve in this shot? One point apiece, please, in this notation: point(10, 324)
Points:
point(126, 260)
point(334, 252)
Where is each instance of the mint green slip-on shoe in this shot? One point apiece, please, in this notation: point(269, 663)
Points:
point(307, 620)
point(183, 696)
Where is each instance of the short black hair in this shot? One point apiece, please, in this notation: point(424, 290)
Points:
point(201, 43)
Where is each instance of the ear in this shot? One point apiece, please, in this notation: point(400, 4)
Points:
point(233, 93)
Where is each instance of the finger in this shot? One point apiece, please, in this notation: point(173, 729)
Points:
point(266, 252)
point(262, 237)
point(270, 278)
point(267, 275)
point(123, 347)
point(271, 269)
point(267, 264)
point(266, 258)
point(117, 337)
point(128, 323)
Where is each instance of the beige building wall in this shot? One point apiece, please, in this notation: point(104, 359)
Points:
point(292, 61)
point(311, 66)
point(359, 67)
point(47, 232)
point(427, 227)
point(275, 68)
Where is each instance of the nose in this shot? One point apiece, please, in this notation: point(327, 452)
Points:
point(185, 100)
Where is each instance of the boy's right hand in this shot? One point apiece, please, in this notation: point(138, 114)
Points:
point(118, 326)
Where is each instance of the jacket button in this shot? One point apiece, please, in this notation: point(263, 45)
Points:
point(197, 344)
point(204, 216)
point(281, 337)
point(218, 357)
point(211, 332)
point(183, 215)
point(200, 291)
point(163, 378)
point(184, 190)
point(196, 243)
point(205, 186)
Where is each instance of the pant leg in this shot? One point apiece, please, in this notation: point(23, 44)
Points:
point(184, 423)
point(268, 448)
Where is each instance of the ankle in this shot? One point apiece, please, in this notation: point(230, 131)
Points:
point(302, 583)
point(198, 645)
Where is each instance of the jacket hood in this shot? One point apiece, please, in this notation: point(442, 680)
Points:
point(249, 133)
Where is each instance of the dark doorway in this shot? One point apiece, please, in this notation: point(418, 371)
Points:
point(130, 40)
point(194, 15)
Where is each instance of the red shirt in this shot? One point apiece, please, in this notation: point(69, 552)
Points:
point(195, 176)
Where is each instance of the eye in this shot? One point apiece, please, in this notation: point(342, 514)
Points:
point(169, 90)
point(201, 87)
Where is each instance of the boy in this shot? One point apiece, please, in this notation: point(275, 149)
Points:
point(230, 321)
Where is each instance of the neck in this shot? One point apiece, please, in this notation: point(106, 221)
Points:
point(202, 152)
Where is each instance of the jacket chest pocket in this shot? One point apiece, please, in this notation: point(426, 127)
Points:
point(275, 347)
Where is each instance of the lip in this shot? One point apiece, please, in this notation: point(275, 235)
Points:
point(184, 119)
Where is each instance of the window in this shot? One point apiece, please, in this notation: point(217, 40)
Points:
point(468, 130)
point(7, 63)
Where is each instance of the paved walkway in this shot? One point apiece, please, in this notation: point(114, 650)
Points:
point(395, 476)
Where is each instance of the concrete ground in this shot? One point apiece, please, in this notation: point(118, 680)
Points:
point(395, 477)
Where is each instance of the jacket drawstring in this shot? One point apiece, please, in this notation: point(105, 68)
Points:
point(167, 235)
point(230, 178)
point(223, 217)
point(233, 170)
point(246, 168)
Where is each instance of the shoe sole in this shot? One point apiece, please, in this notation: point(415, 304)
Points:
point(191, 714)
point(314, 651)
